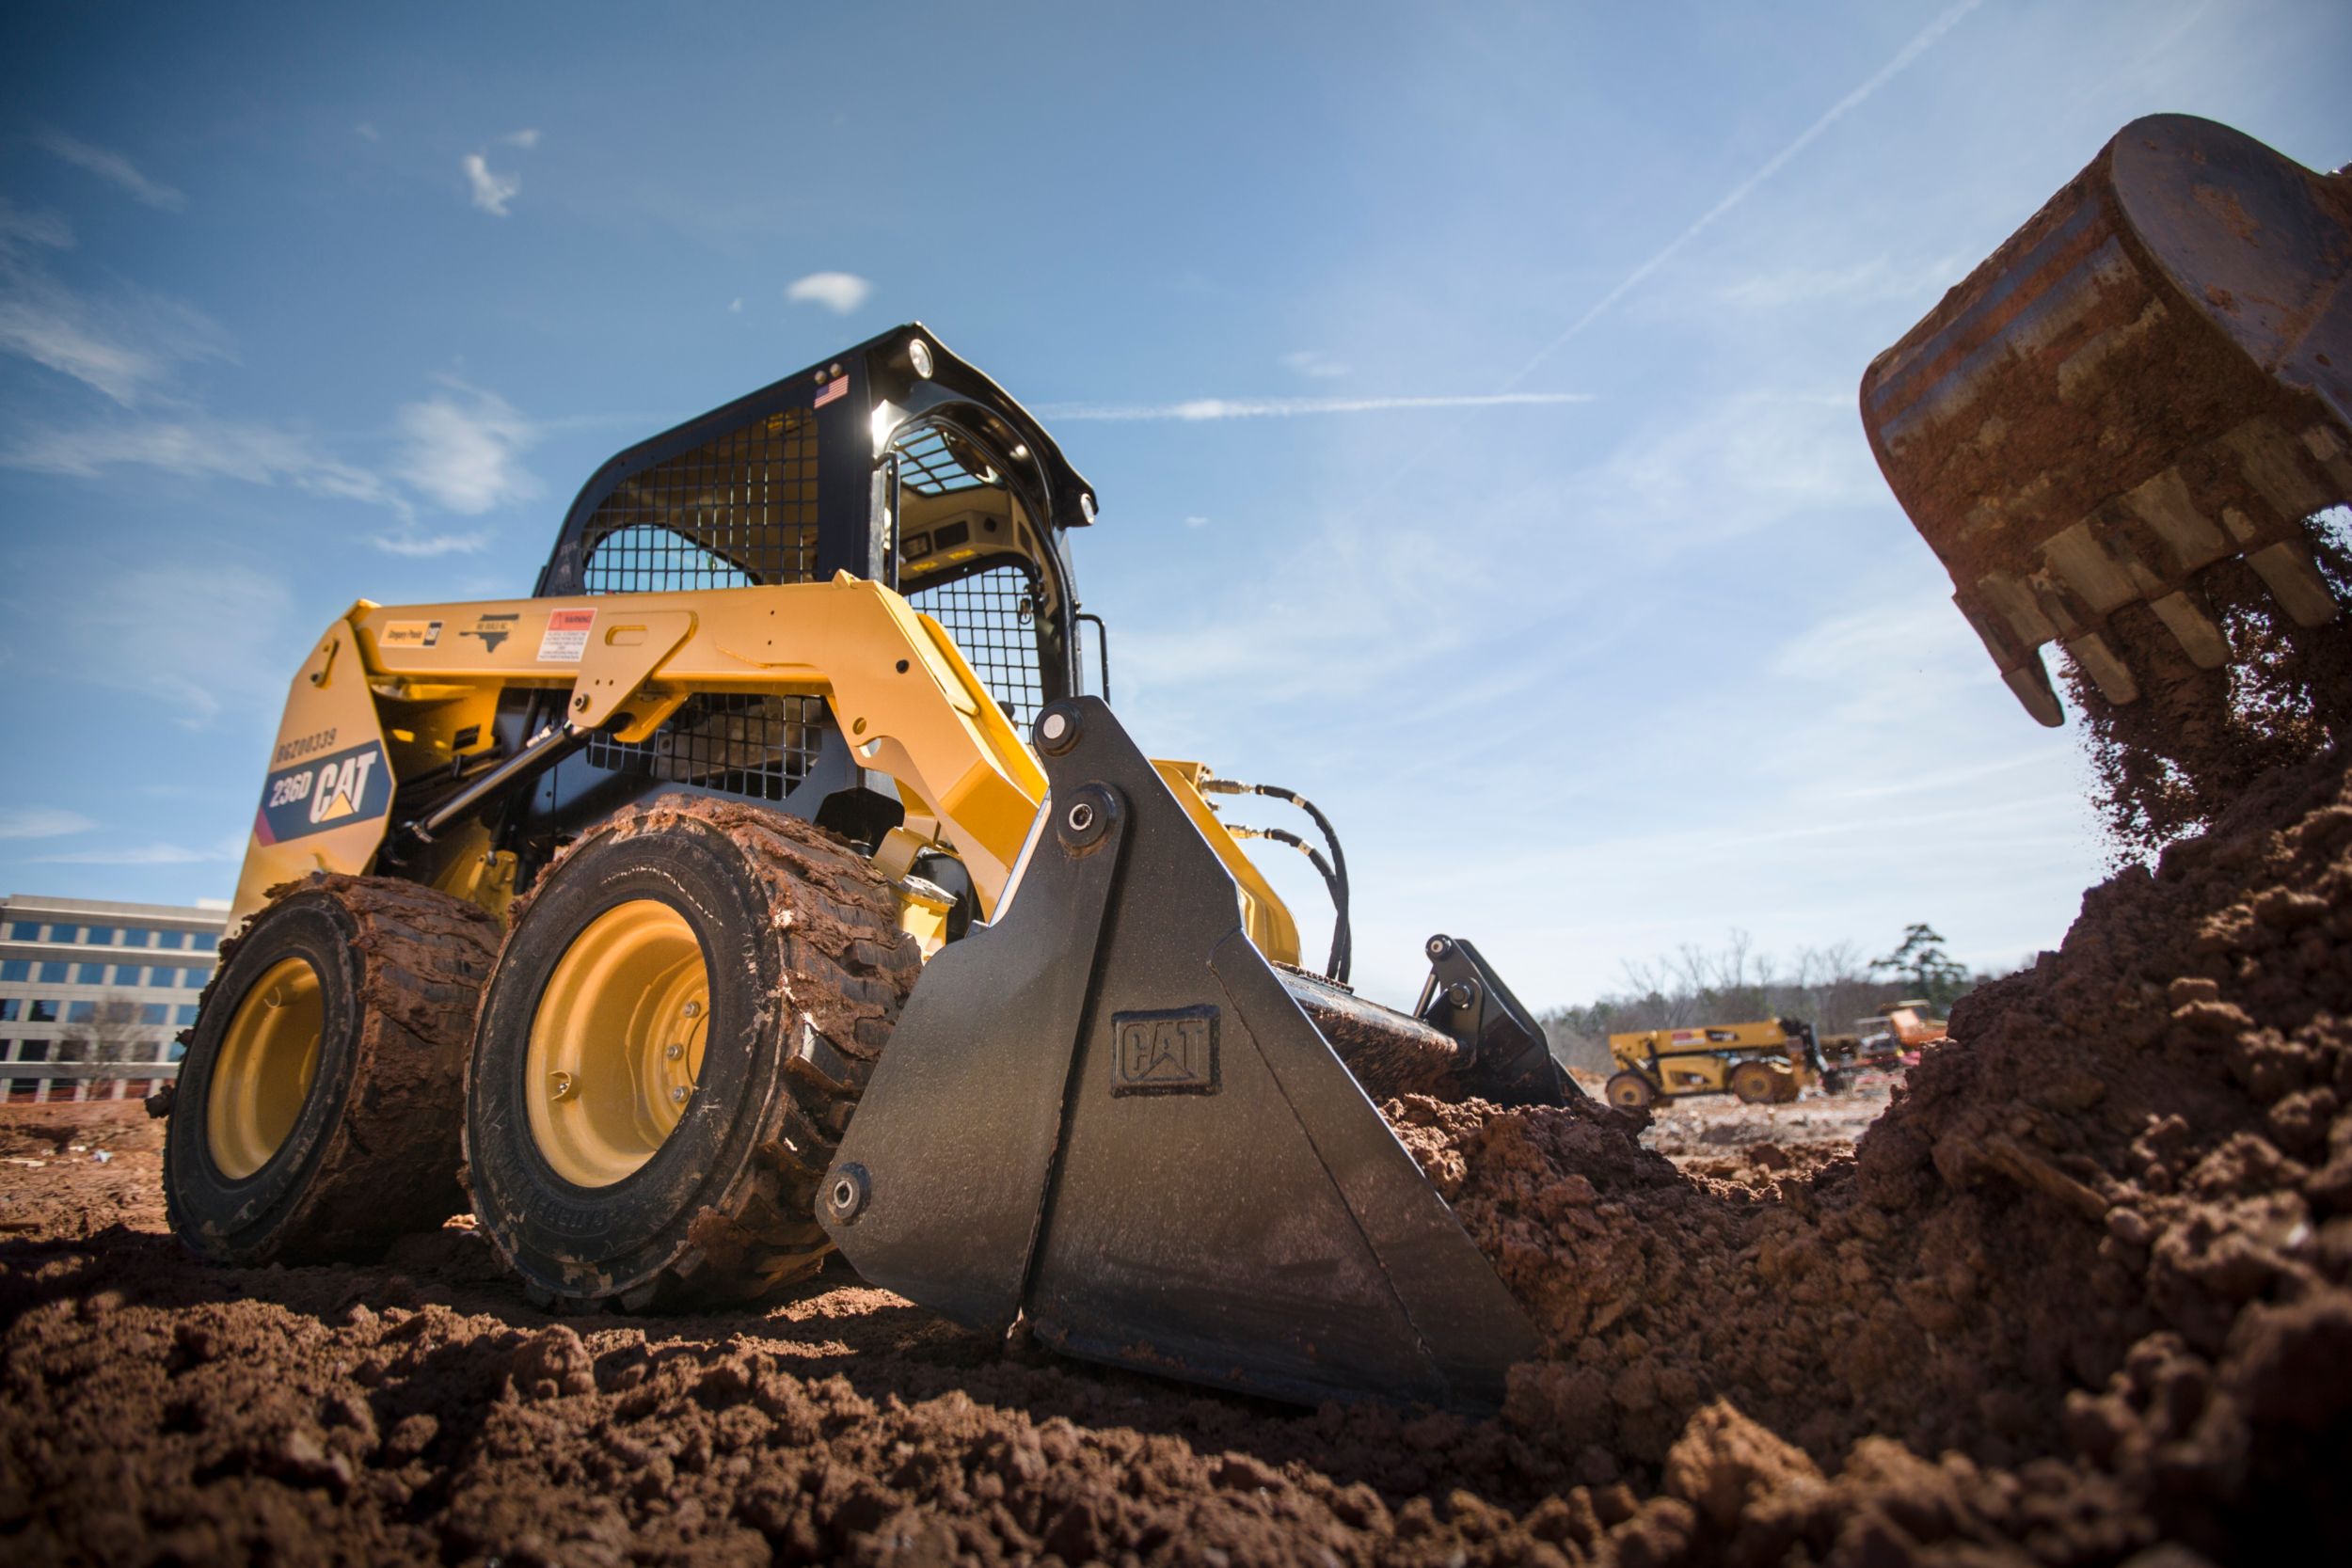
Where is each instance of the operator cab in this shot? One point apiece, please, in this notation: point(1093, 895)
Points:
point(894, 461)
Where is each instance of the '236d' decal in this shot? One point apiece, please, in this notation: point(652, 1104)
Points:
point(333, 792)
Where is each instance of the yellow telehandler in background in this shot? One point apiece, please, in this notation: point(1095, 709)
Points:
point(1765, 1063)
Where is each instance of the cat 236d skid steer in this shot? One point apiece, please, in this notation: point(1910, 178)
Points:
point(765, 883)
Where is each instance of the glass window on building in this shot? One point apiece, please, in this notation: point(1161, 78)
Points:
point(16, 969)
point(176, 1052)
point(80, 1012)
point(99, 935)
point(152, 1012)
point(10, 1006)
point(53, 973)
point(183, 1014)
point(32, 1051)
point(134, 935)
point(40, 1011)
point(89, 975)
point(207, 941)
point(193, 980)
point(123, 974)
point(158, 976)
point(24, 931)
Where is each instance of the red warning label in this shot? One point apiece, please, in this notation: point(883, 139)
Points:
point(566, 637)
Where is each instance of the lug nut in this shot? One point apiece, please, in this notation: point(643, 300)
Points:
point(674, 1051)
point(677, 1095)
point(693, 1009)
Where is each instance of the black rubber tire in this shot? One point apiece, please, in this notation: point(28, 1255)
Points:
point(1754, 1083)
point(372, 1153)
point(814, 970)
point(1629, 1091)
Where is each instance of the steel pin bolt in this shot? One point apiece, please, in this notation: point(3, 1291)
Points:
point(674, 1051)
point(677, 1095)
point(693, 1009)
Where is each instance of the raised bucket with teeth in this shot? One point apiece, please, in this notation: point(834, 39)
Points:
point(2152, 377)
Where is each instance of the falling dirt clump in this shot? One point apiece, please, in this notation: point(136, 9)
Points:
point(2195, 740)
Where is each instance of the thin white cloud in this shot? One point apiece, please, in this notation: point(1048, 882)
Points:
point(1877, 278)
point(838, 292)
point(33, 227)
point(1195, 522)
point(1920, 43)
point(463, 449)
point(41, 822)
point(136, 854)
point(1733, 466)
point(197, 446)
point(526, 139)
point(735, 307)
point(367, 133)
point(113, 167)
point(426, 546)
point(241, 659)
point(1198, 409)
point(1313, 362)
point(492, 191)
point(122, 344)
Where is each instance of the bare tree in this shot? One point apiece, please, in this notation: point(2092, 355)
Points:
point(1829, 987)
point(114, 1031)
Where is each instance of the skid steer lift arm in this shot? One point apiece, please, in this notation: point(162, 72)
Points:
point(1104, 1114)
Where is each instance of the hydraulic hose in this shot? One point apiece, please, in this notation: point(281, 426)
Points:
point(1343, 962)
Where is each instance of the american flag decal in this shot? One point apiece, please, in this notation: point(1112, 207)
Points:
point(838, 386)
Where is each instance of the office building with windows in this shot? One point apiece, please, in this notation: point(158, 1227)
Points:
point(93, 994)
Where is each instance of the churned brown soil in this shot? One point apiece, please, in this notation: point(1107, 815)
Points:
point(2082, 1294)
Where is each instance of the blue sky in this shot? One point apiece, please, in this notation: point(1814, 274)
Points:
point(303, 305)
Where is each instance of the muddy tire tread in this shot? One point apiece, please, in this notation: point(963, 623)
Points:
point(390, 1167)
point(847, 970)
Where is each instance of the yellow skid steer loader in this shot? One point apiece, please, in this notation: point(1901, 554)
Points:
point(767, 883)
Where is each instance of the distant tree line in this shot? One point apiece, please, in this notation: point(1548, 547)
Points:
point(1830, 987)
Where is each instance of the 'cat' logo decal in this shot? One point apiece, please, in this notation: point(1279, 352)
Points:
point(333, 792)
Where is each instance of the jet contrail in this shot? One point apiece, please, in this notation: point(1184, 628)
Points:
point(1919, 45)
point(1284, 409)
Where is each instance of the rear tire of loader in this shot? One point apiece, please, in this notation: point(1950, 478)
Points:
point(1630, 1092)
point(316, 1111)
point(678, 1028)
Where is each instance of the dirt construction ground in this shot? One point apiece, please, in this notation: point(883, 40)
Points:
point(2078, 1294)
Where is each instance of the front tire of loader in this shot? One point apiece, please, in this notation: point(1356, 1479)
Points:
point(678, 1028)
point(315, 1115)
point(1630, 1092)
point(1755, 1083)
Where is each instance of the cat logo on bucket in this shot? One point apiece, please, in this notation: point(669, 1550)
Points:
point(314, 796)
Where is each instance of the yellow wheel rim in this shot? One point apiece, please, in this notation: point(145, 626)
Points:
point(268, 1057)
point(1629, 1094)
point(616, 1044)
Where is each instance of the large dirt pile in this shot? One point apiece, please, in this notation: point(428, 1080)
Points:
point(2104, 1246)
point(2081, 1292)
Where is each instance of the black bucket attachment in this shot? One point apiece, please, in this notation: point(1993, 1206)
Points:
point(1104, 1115)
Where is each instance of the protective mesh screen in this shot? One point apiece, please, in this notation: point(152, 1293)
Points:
point(736, 510)
point(990, 615)
point(757, 746)
point(934, 461)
